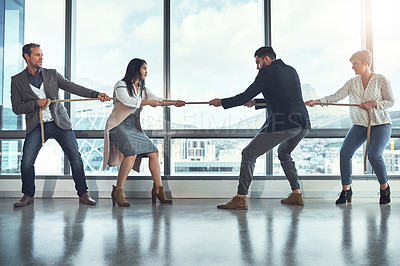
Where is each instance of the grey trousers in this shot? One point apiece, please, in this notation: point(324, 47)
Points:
point(263, 142)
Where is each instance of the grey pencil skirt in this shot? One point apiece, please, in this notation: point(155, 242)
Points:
point(130, 140)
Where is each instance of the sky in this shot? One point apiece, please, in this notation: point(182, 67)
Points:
point(387, 42)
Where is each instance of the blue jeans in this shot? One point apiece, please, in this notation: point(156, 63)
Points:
point(356, 136)
point(32, 146)
point(263, 142)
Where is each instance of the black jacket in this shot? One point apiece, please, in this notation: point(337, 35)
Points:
point(280, 86)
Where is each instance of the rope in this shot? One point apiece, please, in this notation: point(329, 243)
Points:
point(60, 101)
point(169, 103)
point(164, 103)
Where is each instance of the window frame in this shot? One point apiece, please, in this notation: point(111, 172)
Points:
point(167, 133)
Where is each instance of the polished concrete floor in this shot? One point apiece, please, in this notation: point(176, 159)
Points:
point(195, 232)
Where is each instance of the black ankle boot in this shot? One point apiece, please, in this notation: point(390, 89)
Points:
point(345, 195)
point(385, 196)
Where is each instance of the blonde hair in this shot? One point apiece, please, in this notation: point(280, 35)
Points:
point(363, 55)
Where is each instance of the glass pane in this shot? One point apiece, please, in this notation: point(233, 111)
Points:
point(104, 48)
point(50, 159)
point(385, 19)
point(11, 151)
point(49, 17)
point(212, 49)
point(11, 42)
point(318, 45)
point(320, 157)
point(92, 155)
point(19, 31)
point(210, 157)
point(391, 156)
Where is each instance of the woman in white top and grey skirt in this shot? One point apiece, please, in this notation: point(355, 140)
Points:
point(372, 92)
point(125, 143)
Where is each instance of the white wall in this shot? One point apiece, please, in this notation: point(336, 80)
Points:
point(199, 188)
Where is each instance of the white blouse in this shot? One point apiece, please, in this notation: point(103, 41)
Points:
point(378, 89)
point(121, 93)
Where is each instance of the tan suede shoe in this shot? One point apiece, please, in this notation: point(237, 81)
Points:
point(236, 203)
point(160, 195)
point(294, 199)
point(118, 197)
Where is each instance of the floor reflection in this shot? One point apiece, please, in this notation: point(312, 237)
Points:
point(139, 240)
point(161, 232)
point(122, 246)
point(269, 243)
point(290, 248)
point(347, 234)
point(74, 233)
point(195, 232)
point(377, 237)
point(246, 249)
point(26, 236)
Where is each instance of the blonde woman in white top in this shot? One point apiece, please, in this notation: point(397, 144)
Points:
point(372, 92)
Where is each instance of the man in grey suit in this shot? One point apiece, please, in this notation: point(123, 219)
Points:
point(30, 90)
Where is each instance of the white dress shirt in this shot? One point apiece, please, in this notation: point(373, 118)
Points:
point(46, 114)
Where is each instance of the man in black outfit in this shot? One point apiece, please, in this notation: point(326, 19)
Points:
point(287, 123)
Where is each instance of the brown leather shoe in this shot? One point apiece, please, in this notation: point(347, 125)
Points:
point(236, 203)
point(294, 199)
point(25, 200)
point(85, 199)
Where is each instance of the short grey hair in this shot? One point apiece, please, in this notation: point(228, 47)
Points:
point(363, 55)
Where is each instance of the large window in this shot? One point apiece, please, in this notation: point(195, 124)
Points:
point(391, 156)
point(318, 38)
point(11, 151)
point(318, 45)
point(48, 31)
point(103, 49)
point(210, 157)
point(198, 51)
point(50, 160)
point(11, 61)
point(108, 36)
point(212, 49)
point(386, 43)
point(385, 57)
point(92, 155)
point(44, 24)
point(320, 156)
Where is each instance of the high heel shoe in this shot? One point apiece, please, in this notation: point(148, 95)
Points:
point(345, 195)
point(160, 195)
point(117, 196)
point(385, 196)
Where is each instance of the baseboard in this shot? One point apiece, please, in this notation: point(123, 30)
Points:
point(54, 188)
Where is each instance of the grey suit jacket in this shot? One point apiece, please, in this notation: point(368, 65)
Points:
point(23, 99)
